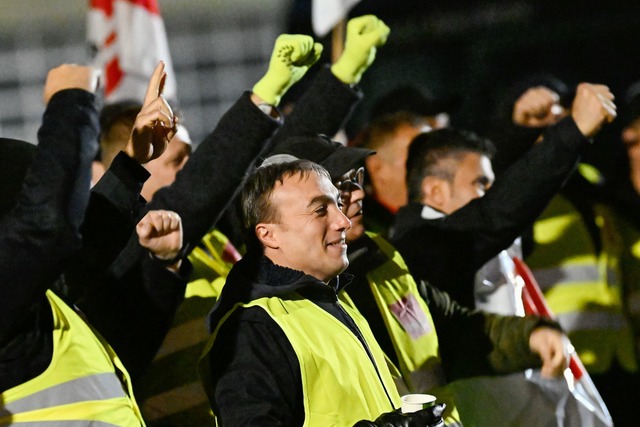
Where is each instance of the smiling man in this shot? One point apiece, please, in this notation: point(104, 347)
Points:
point(284, 349)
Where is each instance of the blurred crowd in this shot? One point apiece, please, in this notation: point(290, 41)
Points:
point(286, 272)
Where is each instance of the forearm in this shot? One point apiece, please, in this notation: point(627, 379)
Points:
point(512, 142)
point(322, 109)
point(510, 337)
point(500, 344)
point(43, 229)
point(204, 188)
point(520, 195)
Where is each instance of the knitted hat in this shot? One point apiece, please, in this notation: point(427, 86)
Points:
point(15, 158)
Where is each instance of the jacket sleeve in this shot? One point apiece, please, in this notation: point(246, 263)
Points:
point(492, 222)
point(215, 171)
point(322, 109)
point(43, 230)
point(135, 312)
point(111, 216)
point(204, 188)
point(255, 376)
point(475, 343)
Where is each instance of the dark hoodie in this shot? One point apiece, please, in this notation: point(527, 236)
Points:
point(253, 365)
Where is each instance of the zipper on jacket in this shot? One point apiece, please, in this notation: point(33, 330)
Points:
point(360, 338)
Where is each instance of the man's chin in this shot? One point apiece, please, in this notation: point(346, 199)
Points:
point(355, 232)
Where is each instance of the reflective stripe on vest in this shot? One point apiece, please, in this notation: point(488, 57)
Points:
point(581, 286)
point(171, 387)
point(339, 381)
point(80, 385)
point(410, 326)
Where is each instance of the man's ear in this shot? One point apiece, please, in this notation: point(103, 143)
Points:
point(373, 164)
point(266, 236)
point(435, 192)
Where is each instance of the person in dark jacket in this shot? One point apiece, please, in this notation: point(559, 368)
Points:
point(451, 228)
point(200, 193)
point(39, 233)
point(428, 336)
point(284, 350)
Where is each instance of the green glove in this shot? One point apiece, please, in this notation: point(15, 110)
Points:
point(292, 56)
point(364, 35)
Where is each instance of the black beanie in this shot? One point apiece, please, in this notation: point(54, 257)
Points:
point(15, 158)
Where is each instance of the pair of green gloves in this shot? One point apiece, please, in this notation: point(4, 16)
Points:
point(294, 54)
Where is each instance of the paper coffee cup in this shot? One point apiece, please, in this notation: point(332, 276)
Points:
point(415, 402)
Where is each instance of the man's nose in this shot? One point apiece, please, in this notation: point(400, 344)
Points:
point(341, 221)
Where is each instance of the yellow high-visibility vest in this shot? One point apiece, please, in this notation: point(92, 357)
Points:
point(581, 286)
point(80, 386)
point(170, 391)
point(410, 326)
point(341, 384)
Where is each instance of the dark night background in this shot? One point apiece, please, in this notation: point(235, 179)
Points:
point(476, 51)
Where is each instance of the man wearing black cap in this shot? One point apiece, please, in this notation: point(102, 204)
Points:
point(420, 329)
point(284, 350)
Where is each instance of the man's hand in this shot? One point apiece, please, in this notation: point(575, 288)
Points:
point(429, 417)
point(155, 125)
point(552, 347)
point(160, 232)
point(537, 107)
point(70, 76)
point(364, 35)
point(292, 56)
point(592, 107)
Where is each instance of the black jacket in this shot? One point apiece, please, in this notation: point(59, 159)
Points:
point(254, 370)
point(500, 343)
point(133, 299)
point(448, 251)
point(42, 233)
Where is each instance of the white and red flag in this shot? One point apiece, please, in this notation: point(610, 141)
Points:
point(326, 14)
point(591, 409)
point(129, 39)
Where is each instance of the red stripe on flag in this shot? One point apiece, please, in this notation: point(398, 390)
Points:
point(110, 39)
point(113, 76)
point(104, 5)
point(150, 5)
point(538, 305)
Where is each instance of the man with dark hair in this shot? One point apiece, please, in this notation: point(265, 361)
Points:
point(422, 331)
point(284, 349)
point(440, 154)
point(450, 228)
point(459, 229)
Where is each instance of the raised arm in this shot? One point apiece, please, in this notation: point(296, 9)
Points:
point(205, 186)
point(41, 232)
point(327, 103)
point(520, 195)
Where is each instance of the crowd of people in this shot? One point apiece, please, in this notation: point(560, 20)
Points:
point(277, 277)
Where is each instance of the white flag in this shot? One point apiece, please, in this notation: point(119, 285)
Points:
point(325, 14)
point(129, 39)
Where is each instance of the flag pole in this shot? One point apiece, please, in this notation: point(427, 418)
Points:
point(337, 39)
